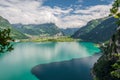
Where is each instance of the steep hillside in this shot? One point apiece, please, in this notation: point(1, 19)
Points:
point(108, 66)
point(4, 24)
point(69, 31)
point(48, 29)
point(98, 30)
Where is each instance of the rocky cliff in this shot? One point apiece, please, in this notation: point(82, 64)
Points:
point(108, 66)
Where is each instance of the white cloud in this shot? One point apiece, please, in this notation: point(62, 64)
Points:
point(33, 12)
point(94, 12)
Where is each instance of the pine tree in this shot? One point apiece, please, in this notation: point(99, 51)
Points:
point(5, 40)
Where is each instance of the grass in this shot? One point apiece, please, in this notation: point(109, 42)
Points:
point(51, 39)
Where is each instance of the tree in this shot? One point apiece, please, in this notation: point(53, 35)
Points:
point(115, 10)
point(5, 40)
point(108, 66)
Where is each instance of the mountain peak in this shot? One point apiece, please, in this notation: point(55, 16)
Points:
point(46, 29)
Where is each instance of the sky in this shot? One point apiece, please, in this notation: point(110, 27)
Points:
point(64, 13)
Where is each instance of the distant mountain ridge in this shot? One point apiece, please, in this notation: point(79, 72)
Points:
point(98, 30)
point(69, 31)
point(20, 31)
point(4, 24)
point(47, 29)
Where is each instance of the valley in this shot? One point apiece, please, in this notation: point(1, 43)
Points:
point(59, 40)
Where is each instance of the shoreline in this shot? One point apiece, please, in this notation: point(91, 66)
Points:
point(49, 39)
point(68, 69)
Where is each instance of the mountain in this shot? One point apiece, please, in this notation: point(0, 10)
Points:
point(47, 29)
point(98, 30)
point(108, 65)
point(4, 24)
point(69, 31)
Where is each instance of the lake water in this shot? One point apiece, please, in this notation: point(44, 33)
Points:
point(17, 65)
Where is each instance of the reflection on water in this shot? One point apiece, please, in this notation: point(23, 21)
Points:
point(77, 69)
point(17, 64)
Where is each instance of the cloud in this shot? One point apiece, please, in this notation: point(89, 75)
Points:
point(81, 17)
point(94, 12)
point(33, 12)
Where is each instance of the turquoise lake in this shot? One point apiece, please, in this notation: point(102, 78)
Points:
point(17, 64)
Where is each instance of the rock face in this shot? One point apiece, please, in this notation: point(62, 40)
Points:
point(108, 66)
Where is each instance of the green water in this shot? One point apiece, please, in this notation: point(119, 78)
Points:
point(17, 65)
